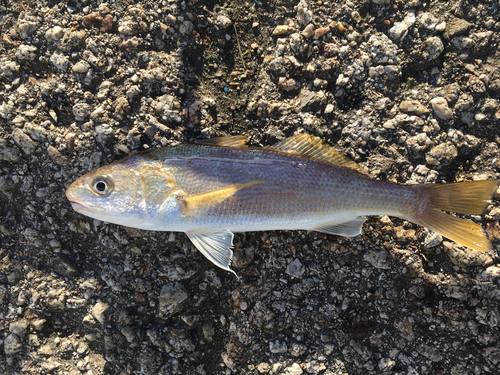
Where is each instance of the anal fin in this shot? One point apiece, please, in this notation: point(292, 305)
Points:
point(348, 228)
point(216, 246)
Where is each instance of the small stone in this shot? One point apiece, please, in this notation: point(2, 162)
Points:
point(223, 21)
point(433, 47)
point(318, 33)
point(441, 109)
point(128, 26)
point(283, 30)
point(378, 259)
point(38, 324)
point(304, 15)
point(400, 29)
point(95, 20)
point(23, 141)
point(308, 31)
point(104, 134)
point(288, 84)
point(26, 53)
point(8, 153)
point(81, 111)
point(294, 369)
point(208, 332)
point(171, 298)
point(413, 106)
point(19, 327)
point(428, 21)
point(457, 292)
point(60, 60)
point(386, 364)
point(98, 312)
point(81, 67)
point(295, 269)
point(432, 240)
point(12, 344)
point(27, 26)
point(442, 154)
point(54, 34)
point(56, 156)
point(457, 27)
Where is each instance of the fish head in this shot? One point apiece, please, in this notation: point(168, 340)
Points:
point(128, 193)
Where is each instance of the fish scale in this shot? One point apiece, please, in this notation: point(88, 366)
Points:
point(213, 189)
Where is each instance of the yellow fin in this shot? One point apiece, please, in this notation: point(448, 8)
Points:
point(464, 232)
point(233, 141)
point(461, 197)
point(203, 201)
point(312, 148)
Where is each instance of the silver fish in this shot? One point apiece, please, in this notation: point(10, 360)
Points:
point(216, 187)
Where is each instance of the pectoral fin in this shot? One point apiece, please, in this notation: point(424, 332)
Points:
point(216, 246)
point(193, 204)
point(349, 228)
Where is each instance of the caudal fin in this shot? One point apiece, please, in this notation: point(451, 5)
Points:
point(463, 198)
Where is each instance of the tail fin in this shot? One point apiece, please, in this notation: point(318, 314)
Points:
point(463, 198)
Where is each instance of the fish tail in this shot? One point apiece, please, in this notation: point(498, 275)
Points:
point(463, 198)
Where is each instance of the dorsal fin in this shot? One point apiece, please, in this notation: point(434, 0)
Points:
point(234, 141)
point(311, 147)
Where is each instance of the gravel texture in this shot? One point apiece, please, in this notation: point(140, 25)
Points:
point(408, 89)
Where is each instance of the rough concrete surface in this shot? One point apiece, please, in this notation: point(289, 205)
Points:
point(408, 89)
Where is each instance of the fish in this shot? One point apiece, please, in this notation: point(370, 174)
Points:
point(215, 187)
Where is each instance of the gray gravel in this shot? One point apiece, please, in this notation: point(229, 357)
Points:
point(409, 90)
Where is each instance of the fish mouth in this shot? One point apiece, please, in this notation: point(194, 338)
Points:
point(77, 206)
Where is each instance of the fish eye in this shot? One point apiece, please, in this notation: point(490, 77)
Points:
point(102, 185)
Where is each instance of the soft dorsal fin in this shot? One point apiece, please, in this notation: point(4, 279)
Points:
point(312, 148)
point(234, 141)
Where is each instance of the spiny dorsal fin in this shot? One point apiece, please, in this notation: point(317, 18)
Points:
point(234, 141)
point(312, 148)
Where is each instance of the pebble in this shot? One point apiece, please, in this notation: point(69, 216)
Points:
point(172, 296)
point(413, 106)
point(81, 111)
point(56, 156)
point(441, 109)
point(54, 34)
point(442, 154)
point(295, 269)
point(457, 26)
point(12, 344)
point(294, 369)
point(81, 67)
point(283, 30)
point(26, 53)
point(433, 47)
point(23, 141)
point(60, 61)
point(308, 31)
point(320, 31)
point(99, 310)
point(27, 26)
point(8, 153)
point(19, 327)
point(304, 14)
point(400, 29)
